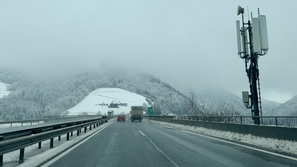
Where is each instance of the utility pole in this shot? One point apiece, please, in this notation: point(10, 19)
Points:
point(252, 42)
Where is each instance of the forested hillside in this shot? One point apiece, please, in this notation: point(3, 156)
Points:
point(223, 102)
point(31, 97)
point(288, 108)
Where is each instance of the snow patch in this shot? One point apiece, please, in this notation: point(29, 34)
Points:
point(269, 143)
point(93, 103)
point(9, 125)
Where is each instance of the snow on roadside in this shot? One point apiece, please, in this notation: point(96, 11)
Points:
point(19, 124)
point(269, 143)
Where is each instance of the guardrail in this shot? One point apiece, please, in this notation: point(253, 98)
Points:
point(11, 144)
point(49, 119)
point(160, 116)
point(50, 125)
point(281, 133)
point(284, 121)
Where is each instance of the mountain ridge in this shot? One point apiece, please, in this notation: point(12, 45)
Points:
point(52, 97)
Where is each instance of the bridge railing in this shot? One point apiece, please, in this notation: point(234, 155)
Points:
point(282, 121)
point(19, 139)
point(45, 119)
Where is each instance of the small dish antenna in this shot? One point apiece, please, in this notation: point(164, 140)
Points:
point(240, 10)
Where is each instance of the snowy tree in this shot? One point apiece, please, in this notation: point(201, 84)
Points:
point(192, 105)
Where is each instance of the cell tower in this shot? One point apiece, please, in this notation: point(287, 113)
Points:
point(252, 42)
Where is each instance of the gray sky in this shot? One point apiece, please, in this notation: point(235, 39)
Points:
point(189, 44)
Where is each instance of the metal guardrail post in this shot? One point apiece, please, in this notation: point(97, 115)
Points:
point(275, 121)
point(85, 129)
point(39, 145)
point(77, 132)
point(67, 136)
point(22, 152)
point(52, 143)
point(1, 160)
point(72, 133)
point(59, 138)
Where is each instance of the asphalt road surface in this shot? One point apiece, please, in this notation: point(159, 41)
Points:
point(148, 144)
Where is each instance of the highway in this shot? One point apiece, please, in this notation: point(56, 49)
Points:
point(149, 144)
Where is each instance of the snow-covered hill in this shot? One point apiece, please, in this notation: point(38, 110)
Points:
point(34, 97)
point(288, 108)
point(224, 102)
point(94, 102)
point(221, 101)
point(269, 106)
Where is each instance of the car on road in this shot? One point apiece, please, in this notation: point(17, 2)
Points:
point(121, 118)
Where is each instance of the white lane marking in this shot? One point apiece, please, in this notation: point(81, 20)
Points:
point(142, 133)
point(72, 148)
point(268, 152)
point(158, 148)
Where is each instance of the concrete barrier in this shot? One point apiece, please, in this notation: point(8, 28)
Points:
point(282, 133)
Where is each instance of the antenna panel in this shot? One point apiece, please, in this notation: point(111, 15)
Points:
point(263, 32)
point(238, 36)
point(245, 43)
point(256, 35)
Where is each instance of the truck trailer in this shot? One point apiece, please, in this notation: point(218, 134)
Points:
point(136, 113)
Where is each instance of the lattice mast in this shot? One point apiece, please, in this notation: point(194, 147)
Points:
point(252, 42)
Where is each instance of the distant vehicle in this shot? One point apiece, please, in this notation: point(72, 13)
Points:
point(136, 113)
point(121, 118)
point(110, 113)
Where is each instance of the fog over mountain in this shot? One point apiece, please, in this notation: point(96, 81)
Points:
point(35, 98)
point(187, 44)
point(288, 108)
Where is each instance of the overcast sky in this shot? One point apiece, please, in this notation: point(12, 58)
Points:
point(189, 44)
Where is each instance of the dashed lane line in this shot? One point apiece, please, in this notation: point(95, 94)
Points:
point(174, 164)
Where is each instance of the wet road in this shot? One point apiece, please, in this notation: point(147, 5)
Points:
point(149, 144)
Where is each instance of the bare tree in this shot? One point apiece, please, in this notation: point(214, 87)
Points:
point(192, 106)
